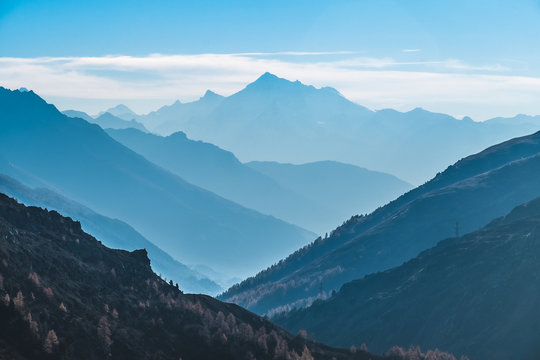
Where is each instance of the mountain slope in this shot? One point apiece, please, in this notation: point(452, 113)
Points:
point(315, 196)
point(78, 114)
point(114, 234)
point(468, 194)
point(107, 120)
point(92, 302)
point(482, 290)
point(274, 119)
point(121, 111)
point(340, 189)
point(172, 118)
point(80, 161)
point(219, 171)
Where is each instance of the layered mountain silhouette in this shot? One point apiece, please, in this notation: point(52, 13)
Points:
point(463, 198)
point(121, 111)
point(63, 295)
point(113, 233)
point(477, 295)
point(315, 196)
point(80, 161)
point(274, 119)
point(78, 114)
point(107, 120)
point(340, 189)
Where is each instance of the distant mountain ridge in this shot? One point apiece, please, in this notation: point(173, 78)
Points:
point(80, 161)
point(468, 194)
point(106, 120)
point(482, 290)
point(121, 111)
point(340, 189)
point(314, 196)
point(273, 119)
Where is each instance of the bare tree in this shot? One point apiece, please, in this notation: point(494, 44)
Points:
point(51, 341)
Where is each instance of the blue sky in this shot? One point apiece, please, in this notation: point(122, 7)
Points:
point(450, 39)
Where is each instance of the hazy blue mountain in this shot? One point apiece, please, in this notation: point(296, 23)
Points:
point(274, 119)
point(340, 189)
point(78, 114)
point(80, 161)
point(219, 171)
point(121, 111)
point(113, 233)
point(315, 196)
point(524, 120)
point(221, 279)
point(175, 117)
point(109, 121)
point(468, 194)
point(467, 295)
point(106, 120)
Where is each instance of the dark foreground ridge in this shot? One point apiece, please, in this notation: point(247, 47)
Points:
point(477, 295)
point(63, 295)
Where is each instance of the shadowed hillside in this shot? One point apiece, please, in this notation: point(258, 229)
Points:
point(482, 290)
point(92, 302)
point(114, 233)
point(467, 195)
point(314, 196)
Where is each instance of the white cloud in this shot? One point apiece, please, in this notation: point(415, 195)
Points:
point(411, 50)
point(144, 83)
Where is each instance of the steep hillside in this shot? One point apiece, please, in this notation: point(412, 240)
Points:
point(107, 120)
point(481, 290)
point(314, 196)
point(274, 119)
point(463, 198)
point(63, 295)
point(340, 189)
point(113, 233)
point(80, 161)
point(78, 114)
point(121, 111)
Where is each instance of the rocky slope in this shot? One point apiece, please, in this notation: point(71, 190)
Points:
point(113, 233)
point(477, 295)
point(469, 194)
point(63, 295)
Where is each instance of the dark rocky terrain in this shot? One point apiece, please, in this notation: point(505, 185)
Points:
point(63, 295)
point(468, 194)
point(477, 295)
point(112, 233)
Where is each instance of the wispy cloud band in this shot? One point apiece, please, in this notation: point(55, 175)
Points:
point(149, 81)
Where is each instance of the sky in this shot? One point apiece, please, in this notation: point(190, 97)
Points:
point(476, 58)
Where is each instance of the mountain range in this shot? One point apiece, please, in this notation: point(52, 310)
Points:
point(113, 233)
point(81, 162)
point(463, 198)
point(63, 295)
point(476, 295)
point(273, 119)
point(121, 111)
point(106, 120)
point(316, 196)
